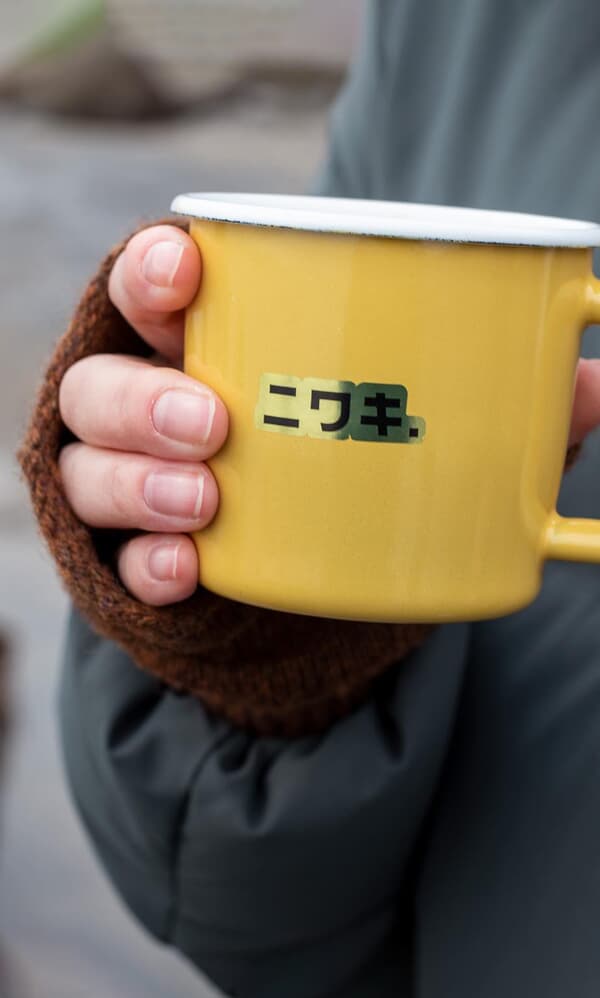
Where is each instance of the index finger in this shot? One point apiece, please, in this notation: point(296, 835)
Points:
point(151, 283)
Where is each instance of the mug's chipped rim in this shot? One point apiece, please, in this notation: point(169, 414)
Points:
point(395, 219)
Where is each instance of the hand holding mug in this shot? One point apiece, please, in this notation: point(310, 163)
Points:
point(145, 429)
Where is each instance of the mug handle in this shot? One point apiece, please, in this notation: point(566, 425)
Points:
point(568, 538)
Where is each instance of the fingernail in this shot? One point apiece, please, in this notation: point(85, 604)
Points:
point(184, 416)
point(162, 562)
point(161, 263)
point(174, 493)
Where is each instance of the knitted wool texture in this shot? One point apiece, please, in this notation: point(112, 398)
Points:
point(272, 673)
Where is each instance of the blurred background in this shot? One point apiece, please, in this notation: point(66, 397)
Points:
point(107, 110)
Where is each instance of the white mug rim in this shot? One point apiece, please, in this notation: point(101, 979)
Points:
point(392, 219)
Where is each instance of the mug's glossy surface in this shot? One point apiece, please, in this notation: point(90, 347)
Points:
point(399, 412)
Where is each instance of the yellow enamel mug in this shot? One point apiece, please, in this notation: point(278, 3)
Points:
point(399, 380)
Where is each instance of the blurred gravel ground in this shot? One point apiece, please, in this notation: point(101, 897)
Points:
point(67, 192)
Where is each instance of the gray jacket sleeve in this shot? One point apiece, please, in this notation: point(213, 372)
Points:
point(276, 867)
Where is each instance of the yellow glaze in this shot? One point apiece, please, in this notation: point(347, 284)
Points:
point(475, 347)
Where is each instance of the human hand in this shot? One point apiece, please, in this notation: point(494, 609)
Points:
point(144, 428)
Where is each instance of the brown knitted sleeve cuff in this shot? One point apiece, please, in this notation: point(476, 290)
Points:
point(271, 672)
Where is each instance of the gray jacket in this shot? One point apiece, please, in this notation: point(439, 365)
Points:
point(442, 840)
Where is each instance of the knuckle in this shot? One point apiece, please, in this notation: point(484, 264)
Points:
point(67, 462)
point(73, 476)
point(119, 491)
point(69, 390)
point(117, 416)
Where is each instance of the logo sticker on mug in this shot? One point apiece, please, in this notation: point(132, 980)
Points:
point(328, 409)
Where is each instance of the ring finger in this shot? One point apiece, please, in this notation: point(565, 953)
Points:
point(107, 488)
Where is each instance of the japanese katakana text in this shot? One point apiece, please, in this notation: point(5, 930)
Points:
point(328, 409)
